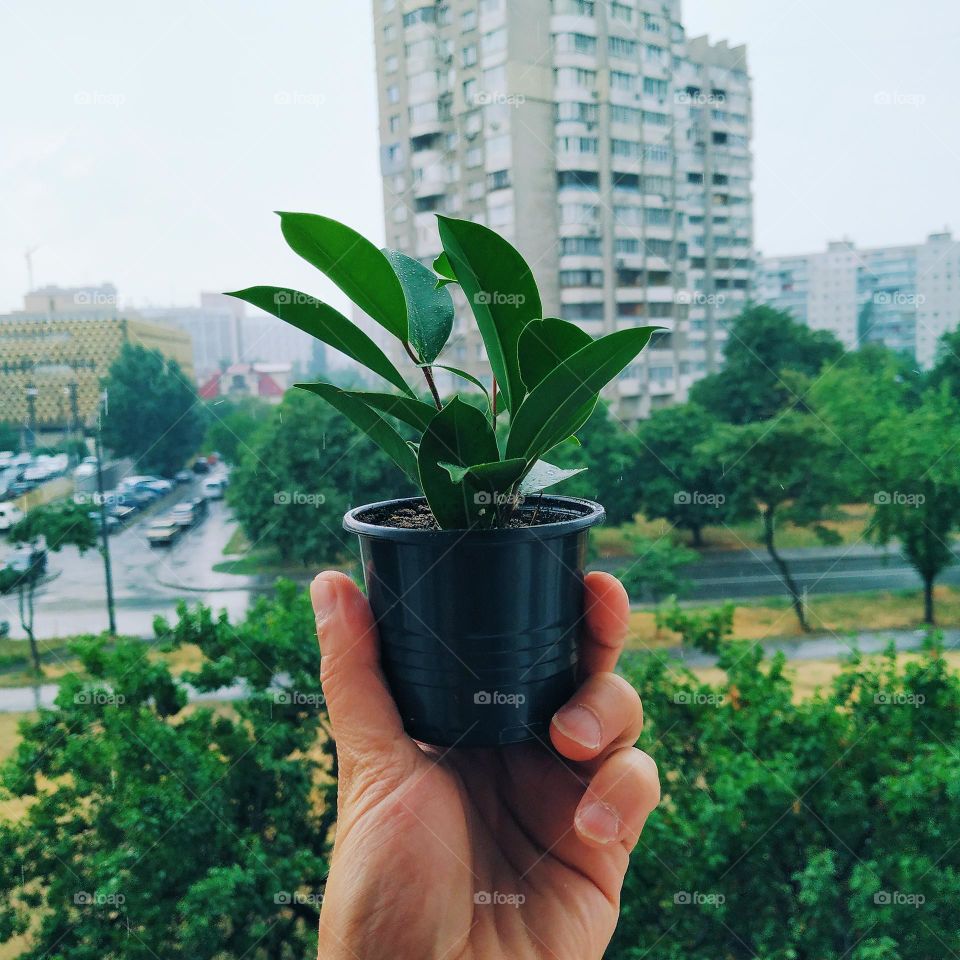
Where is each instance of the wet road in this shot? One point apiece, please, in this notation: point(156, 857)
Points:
point(147, 580)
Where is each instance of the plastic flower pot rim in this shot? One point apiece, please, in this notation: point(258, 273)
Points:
point(582, 514)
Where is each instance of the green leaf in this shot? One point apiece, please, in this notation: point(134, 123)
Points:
point(545, 344)
point(462, 436)
point(353, 263)
point(501, 291)
point(416, 413)
point(543, 475)
point(370, 422)
point(429, 309)
point(554, 407)
point(466, 376)
point(442, 266)
point(324, 323)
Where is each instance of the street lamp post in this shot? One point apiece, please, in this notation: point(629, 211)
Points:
point(104, 534)
point(30, 434)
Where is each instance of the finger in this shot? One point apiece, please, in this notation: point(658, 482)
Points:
point(365, 722)
point(604, 714)
point(621, 795)
point(607, 618)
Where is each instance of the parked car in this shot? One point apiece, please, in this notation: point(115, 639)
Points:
point(163, 532)
point(121, 512)
point(213, 488)
point(112, 523)
point(188, 513)
point(183, 476)
point(20, 487)
point(201, 466)
point(10, 514)
point(30, 556)
point(158, 484)
point(87, 467)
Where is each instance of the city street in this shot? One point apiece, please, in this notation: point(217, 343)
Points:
point(147, 580)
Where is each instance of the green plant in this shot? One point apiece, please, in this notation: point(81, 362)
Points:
point(655, 568)
point(547, 373)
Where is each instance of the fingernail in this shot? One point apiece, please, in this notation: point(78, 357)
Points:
point(598, 821)
point(323, 593)
point(579, 723)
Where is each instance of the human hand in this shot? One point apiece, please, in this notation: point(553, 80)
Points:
point(515, 852)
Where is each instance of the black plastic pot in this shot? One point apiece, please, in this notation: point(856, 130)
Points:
point(478, 629)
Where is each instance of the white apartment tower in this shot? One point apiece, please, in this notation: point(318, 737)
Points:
point(612, 150)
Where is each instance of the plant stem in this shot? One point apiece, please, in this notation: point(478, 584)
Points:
point(494, 402)
point(427, 375)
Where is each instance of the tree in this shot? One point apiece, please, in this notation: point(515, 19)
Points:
point(677, 482)
point(231, 423)
point(917, 493)
point(300, 472)
point(947, 368)
point(655, 568)
point(56, 527)
point(764, 345)
point(152, 411)
point(609, 452)
point(159, 831)
point(788, 469)
point(9, 435)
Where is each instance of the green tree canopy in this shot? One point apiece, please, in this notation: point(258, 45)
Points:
point(677, 481)
point(300, 472)
point(917, 486)
point(232, 422)
point(152, 412)
point(764, 346)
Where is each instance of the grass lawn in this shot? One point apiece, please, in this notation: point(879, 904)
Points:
point(849, 522)
point(841, 613)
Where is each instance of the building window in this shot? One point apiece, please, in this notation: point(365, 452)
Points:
point(621, 114)
point(581, 311)
point(468, 21)
point(580, 246)
point(423, 113)
point(620, 11)
point(475, 190)
point(627, 245)
point(575, 77)
point(578, 179)
point(494, 41)
point(580, 213)
point(498, 180)
point(622, 81)
point(574, 43)
point(657, 216)
point(621, 47)
point(570, 110)
point(393, 93)
point(391, 64)
point(474, 157)
point(653, 53)
point(657, 88)
point(588, 145)
point(468, 56)
point(655, 118)
point(625, 148)
point(393, 124)
point(469, 90)
point(399, 213)
point(421, 15)
point(581, 278)
point(389, 32)
point(651, 23)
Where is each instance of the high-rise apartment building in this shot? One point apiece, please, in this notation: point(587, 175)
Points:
point(612, 150)
point(905, 297)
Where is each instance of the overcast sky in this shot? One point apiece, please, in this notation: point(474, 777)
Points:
point(147, 144)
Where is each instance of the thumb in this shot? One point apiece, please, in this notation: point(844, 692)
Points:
point(365, 722)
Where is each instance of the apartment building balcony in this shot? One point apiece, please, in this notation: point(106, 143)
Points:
point(432, 183)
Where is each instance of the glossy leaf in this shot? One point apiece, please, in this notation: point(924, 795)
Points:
point(545, 344)
point(324, 323)
point(462, 436)
point(382, 433)
point(416, 413)
point(501, 291)
point(429, 308)
point(554, 407)
point(353, 263)
point(543, 475)
point(442, 266)
point(469, 377)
